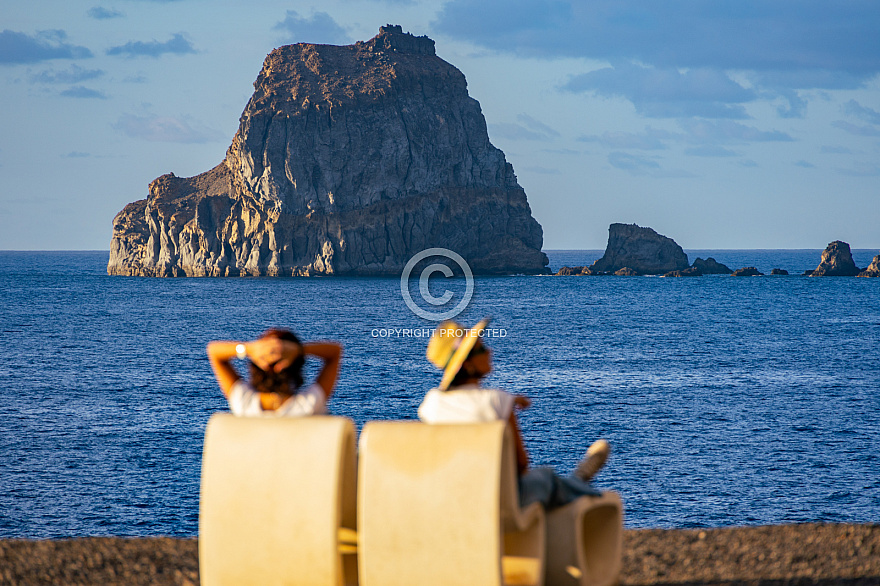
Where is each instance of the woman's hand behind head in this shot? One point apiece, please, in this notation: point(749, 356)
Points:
point(273, 354)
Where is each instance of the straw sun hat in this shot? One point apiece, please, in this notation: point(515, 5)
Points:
point(450, 345)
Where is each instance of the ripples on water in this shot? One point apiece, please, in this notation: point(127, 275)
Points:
point(727, 401)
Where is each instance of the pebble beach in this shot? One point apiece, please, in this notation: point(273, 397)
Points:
point(814, 554)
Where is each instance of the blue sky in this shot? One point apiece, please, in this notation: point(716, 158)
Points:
point(722, 124)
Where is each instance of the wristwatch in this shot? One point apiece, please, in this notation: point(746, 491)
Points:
point(241, 351)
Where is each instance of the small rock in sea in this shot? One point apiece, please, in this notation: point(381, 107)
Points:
point(837, 261)
point(710, 266)
point(808, 273)
point(693, 271)
point(574, 271)
point(873, 270)
point(626, 272)
point(747, 272)
point(778, 272)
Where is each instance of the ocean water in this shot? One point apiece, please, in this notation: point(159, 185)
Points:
point(727, 401)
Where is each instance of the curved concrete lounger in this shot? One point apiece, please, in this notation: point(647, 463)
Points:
point(438, 505)
point(278, 501)
point(585, 542)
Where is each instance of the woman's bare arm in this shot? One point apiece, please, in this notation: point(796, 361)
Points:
point(522, 456)
point(220, 354)
point(331, 354)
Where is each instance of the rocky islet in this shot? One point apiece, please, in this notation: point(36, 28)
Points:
point(631, 246)
point(348, 161)
point(837, 261)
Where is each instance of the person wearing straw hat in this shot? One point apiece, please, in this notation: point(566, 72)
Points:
point(459, 398)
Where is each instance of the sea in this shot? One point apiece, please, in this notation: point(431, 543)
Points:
point(727, 401)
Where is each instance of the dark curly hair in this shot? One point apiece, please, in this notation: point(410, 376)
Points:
point(468, 372)
point(288, 380)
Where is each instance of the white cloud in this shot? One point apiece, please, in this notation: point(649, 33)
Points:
point(855, 129)
point(79, 91)
point(675, 59)
point(710, 151)
point(320, 28)
point(177, 45)
point(667, 93)
point(650, 139)
point(856, 110)
point(512, 131)
point(101, 13)
point(166, 129)
point(73, 74)
point(16, 47)
point(632, 163)
point(526, 128)
point(727, 131)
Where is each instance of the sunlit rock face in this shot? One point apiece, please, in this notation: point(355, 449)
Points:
point(873, 269)
point(348, 161)
point(837, 261)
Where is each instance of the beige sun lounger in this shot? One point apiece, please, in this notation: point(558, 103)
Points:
point(278, 502)
point(585, 542)
point(438, 505)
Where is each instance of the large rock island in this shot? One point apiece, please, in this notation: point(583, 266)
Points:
point(348, 160)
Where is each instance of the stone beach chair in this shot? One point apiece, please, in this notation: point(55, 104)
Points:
point(438, 505)
point(585, 542)
point(278, 501)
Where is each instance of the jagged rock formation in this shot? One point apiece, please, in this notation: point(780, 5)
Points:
point(641, 250)
point(747, 272)
point(778, 272)
point(873, 269)
point(836, 261)
point(626, 272)
point(692, 271)
point(711, 267)
point(567, 271)
point(347, 161)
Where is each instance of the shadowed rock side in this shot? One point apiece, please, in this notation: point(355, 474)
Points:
point(348, 160)
point(747, 272)
point(710, 266)
point(641, 250)
point(837, 261)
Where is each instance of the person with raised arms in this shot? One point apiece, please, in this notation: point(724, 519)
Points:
point(276, 380)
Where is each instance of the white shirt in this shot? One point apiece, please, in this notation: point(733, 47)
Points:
point(465, 404)
point(244, 400)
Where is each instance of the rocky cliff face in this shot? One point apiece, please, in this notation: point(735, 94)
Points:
point(348, 160)
point(836, 261)
point(873, 269)
point(642, 250)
